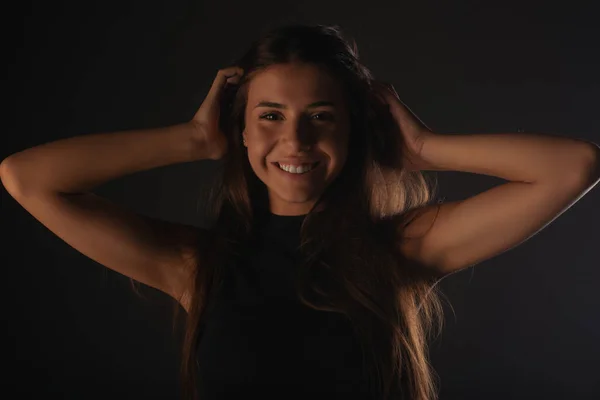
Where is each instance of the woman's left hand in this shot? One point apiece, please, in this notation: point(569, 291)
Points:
point(414, 132)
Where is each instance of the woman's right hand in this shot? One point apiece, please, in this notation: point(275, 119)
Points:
point(207, 134)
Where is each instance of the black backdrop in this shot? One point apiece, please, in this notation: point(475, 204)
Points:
point(523, 325)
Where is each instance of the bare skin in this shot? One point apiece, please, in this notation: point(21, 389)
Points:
point(54, 183)
point(294, 129)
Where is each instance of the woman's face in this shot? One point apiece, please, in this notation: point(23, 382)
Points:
point(296, 115)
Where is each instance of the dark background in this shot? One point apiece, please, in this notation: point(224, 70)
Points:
point(523, 325)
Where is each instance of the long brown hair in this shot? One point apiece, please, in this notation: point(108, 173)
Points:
point(352, 263)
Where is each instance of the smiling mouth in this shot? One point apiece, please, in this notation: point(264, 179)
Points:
point(312, 166)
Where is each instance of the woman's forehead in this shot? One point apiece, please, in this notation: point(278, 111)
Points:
point(293, 83)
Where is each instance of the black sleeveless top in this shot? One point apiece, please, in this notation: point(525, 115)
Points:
point(259, 341)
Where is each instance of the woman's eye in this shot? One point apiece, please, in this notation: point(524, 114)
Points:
point(319, 117)
point(266, 116)
point(323, 116)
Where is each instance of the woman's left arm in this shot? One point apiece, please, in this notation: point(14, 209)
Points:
point(547, 175)
point(517, 157)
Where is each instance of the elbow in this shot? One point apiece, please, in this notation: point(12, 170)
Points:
point(589, 173)
point(596, 162)
point(7, 177)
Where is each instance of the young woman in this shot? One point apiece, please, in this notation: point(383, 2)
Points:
point(317, 275)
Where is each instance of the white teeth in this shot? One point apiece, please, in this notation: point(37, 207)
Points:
point(296, 170)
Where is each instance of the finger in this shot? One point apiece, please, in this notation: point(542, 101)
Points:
point(235, 79)
point(389, 88)
point(393, 89)
point(226, 75)
point(382, 92)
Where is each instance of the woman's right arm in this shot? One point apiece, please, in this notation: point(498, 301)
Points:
point(53, 182)
point(81, 163)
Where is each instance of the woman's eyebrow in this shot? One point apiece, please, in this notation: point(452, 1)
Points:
point(278, 105)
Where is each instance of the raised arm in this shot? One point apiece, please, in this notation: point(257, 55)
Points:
point(53, 182)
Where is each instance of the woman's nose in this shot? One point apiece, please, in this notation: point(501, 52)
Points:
point(300, 134)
